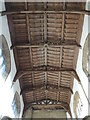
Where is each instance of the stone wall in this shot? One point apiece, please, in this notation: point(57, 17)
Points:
point(45, 114)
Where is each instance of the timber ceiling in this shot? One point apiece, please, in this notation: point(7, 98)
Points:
point(46, 40)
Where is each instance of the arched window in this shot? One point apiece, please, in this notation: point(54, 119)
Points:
point(86, 56)
point(16, 107)
point(77, 104)
point(5, 62)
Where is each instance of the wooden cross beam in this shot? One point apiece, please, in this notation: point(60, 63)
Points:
point(31, 104)
point(60, 105)
point(43, 87)
point(20, 73)
point(48, 12)
point(43, 45)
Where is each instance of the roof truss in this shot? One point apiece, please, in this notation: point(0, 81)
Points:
point(46, 41)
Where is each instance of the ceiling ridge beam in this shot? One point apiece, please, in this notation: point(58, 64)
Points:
point(45, 48)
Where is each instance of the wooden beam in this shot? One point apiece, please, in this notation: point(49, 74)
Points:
point(46, 72)
point(59, 74)
point(42, 100)
point(40, 107)
point(75, 75)
point(87, 12)
point(45, 40)
point(29, 40)
point(44, 45)
point(50, 87)
point(45, 23)
point(58, 105)
point(20, 73)
point(62, 38)
point(69, 111)
point(50, 106)
point(63, 21)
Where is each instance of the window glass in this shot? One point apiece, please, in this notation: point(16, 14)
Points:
point(16, 105)
point(5, 61)
point(1, 61)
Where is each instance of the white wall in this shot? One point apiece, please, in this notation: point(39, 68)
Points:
point(7, 95)
point(84, 80)
point(7, 91)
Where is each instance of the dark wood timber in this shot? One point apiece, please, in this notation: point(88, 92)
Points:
point(54, 69)
point(45, 38)
point(60, 104)
point(53, 12)
point(37, 46)
point(49, 87)
point(50, 100)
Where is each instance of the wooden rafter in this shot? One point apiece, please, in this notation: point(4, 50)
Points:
point(29, 38)
point(45, 23)
point(46, 43)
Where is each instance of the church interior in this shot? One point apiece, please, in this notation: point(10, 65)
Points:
point(45, 59)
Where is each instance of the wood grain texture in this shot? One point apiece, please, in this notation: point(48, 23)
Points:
point(46, 40)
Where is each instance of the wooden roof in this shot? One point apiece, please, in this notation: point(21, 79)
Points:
point(46, 40)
